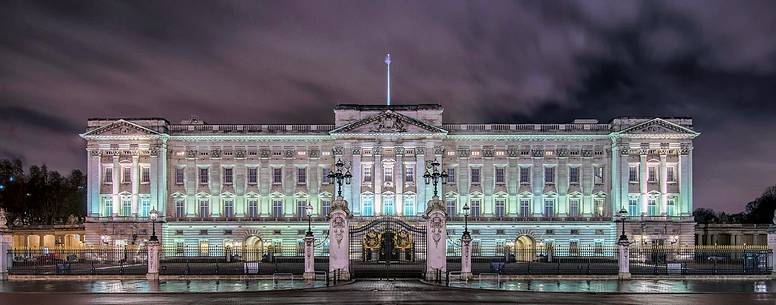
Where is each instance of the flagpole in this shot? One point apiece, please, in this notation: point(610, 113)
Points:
point(388, 77)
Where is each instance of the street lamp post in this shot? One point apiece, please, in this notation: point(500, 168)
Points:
point(309, 210)
point(433, 175)
point(623, 215)
point(466, 220)
point(339, 176)
point(153, 215)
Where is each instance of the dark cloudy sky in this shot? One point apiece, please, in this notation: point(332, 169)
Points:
point(62, 62)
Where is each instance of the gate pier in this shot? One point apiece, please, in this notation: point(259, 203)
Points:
point(436, 240)
point(339, 234)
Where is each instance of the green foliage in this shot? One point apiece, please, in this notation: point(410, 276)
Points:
point(40, 196)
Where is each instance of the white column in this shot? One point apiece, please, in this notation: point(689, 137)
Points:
point(309, 257)
point(355, 185)
point(663, 186)
point(537, 181)
point(5, 245)
point(153, 261)
point(643, 182)
point(624, 260)
point(135, 183)
point(398, 182)
point(685, 180)
point(377, 177)
point(436, 240)
point(420, 185)
point(116, 184)
point(94, 173)
point(466, 257)
point(339, 236)
point(772, 246)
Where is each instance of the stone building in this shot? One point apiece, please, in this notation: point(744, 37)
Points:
point(527, 185)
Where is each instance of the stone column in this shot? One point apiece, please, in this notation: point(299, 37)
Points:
point(624, 261)
point(6, 241)
point(309, 257)
point(153, 260)
point(466, 256)
point(772, 245)
point(436, 239)
point(135, 184)
point(339, 235)
point(663, 185)
point(643, 181)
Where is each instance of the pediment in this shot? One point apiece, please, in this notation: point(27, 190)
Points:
point(658, 126)
point(121, 128)
point(388, 122)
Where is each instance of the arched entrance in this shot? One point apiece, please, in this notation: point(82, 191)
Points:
point(254, 248)
point(525, 248)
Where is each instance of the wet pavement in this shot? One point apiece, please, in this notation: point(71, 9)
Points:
point(384, 292)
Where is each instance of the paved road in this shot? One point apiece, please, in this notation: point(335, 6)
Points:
point(383, 292)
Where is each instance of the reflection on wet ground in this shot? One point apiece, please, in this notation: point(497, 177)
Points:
point(141, 286)
point(632, 286)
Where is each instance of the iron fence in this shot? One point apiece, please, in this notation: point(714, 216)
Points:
point(108, 260)
point(689, 260)
point(234, 261)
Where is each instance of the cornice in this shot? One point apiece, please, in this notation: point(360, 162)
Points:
point(528, 137)
point(252, 138)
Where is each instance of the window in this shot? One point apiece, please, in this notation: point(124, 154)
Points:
point(525, 207)
point(366, 209)
point(301, 175)
point(229, 208)
point(409, 174)
point(670, 174)
point(475, 208)
point(253, 175)
point(574, 247)
point(652, 206)
point(108, 206)
point(549, 207)
point(253, 208)
point(108, 177)
point(525, 175)
point(633, 173)
point(367, 171)
point(671, 206)
point(574, 207)
point(180, 207)
point(598, 174)
point(574, 231)
point(599, 206)
point(409, 206)
point(277, 208)
point(228, 177)
point(277, 175)
point(126, 174)
point(145, 174)
point(126, 206)
point(598, 247)
point(500, 208)
point(451, 207)
point(451, 178)
point(549, 175)
point(145, 206)
point(633, 206)
point(301, 208)
point(652, 173)
point(388, 174)
point(325, 176)
point(204, 207)
point(475, 176)
point(179, 175)
point(500, 179)
point(325, 207)
point(203, 176)
point(573, 175)
point(388, 208)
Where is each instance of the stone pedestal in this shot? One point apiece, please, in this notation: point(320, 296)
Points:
point(436, 240)
point(153, 260)
point(772, 247)
point(309, 257)
point(624, 259)
point(339, 239)
point(466, 256)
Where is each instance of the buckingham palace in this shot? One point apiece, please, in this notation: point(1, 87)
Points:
point(519, 185)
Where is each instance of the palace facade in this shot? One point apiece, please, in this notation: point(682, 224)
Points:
point(526, 185)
